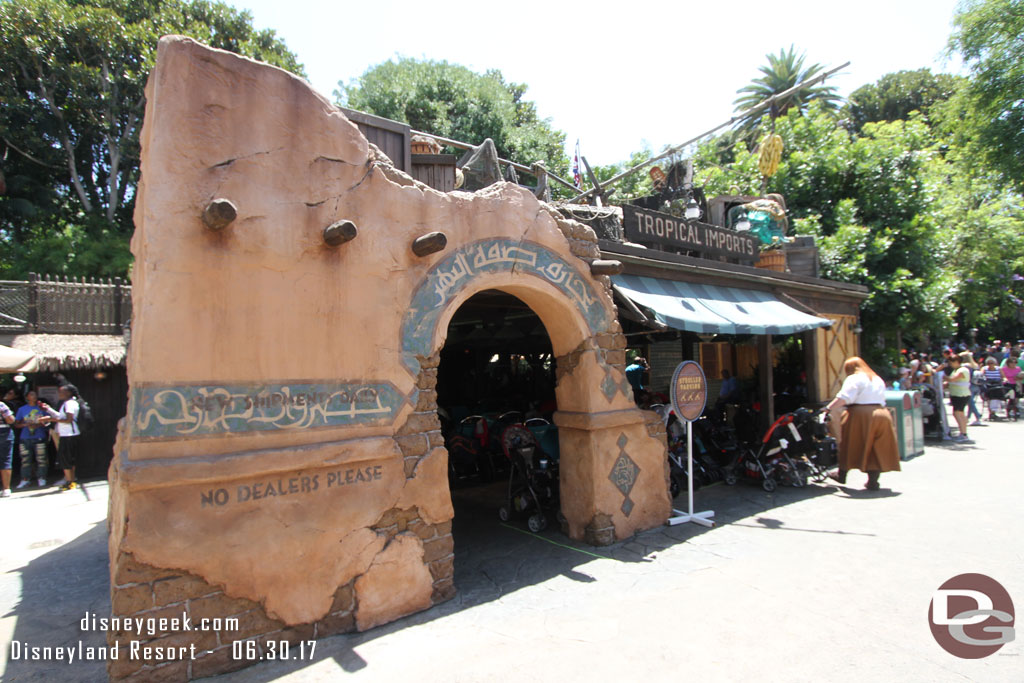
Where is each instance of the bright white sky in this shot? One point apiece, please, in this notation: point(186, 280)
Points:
point(616, 75)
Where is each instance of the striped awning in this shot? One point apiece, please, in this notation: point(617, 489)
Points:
point(711, 309)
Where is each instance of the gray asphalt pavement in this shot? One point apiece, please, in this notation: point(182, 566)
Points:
point(820, 583)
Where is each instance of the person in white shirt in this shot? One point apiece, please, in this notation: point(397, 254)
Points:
point(6, 449)
point(67, 428)
point(867, 433)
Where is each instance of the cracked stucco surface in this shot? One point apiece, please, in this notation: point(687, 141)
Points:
point(266, 300)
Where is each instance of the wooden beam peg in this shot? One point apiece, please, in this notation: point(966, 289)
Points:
point(219, 213)
point(338, 233)
point(430, 243)
point(605, 267)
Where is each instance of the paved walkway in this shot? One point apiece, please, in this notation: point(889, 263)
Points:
point(826, 582)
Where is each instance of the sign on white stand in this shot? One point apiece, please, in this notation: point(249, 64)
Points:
point(689, 396)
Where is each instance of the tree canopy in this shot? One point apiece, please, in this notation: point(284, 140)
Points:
point(458, 103)
point(989, 34)
point(71, 105)
point(898, 94)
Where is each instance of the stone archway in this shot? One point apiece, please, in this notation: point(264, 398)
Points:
point(599, 426)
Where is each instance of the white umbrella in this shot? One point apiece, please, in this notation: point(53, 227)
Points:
point(16, 360)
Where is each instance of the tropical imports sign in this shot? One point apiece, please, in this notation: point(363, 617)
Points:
point(689, 391)
point(653, 227)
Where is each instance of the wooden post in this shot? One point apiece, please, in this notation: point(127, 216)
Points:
point(600, 194)
point(118, 297)
point(33, 302)
point(810, 342)
point(767, 388)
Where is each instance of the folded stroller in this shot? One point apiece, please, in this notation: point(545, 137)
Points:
point(533, 479)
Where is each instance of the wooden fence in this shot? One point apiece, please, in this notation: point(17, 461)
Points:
point(65, 305)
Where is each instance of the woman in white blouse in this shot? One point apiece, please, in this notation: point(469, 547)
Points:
point(867, 433)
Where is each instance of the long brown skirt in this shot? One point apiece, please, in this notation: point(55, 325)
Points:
point(868, 440)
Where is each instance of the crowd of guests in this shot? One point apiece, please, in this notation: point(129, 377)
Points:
point(989, 374)
point(28, 425)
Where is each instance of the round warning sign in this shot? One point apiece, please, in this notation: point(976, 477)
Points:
point(689, 391)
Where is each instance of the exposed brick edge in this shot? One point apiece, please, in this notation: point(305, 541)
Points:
point(421, 432)
point(438, 547)
point(141, 591)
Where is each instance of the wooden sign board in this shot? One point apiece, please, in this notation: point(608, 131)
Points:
point(655, 228)
point(689, 391)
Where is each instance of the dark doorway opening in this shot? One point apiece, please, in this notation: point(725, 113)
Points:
point(496, 390)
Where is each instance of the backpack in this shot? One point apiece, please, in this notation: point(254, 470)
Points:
point(84, 420)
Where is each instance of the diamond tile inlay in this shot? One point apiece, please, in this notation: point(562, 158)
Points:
point(624, 473)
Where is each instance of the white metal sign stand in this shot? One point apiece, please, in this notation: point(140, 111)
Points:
point(689, 394)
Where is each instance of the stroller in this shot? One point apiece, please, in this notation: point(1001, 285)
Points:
point(995, 395)
point(533, 479)
point(794, 449)
point(1012, 395)
point(930, 409)
point(472, 451)
point(712, 450)
point(816, 451)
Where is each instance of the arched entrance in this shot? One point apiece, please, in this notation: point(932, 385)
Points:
point(496, 382)
point(613, 471)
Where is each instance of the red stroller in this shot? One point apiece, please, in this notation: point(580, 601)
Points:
point(782, 457)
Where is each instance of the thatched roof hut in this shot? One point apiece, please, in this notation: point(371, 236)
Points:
point(73, 351)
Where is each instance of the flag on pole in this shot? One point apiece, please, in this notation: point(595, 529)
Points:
point(577, 177)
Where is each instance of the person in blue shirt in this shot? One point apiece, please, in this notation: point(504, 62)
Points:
point(32, 420)
point(730, 391)
point(635, 374)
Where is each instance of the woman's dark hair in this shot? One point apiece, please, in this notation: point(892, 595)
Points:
point(71, 389)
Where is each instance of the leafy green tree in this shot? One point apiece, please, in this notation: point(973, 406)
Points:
point(457, 103)
point(989, 34)
point(894, 96)
point(870, 200)
point(986, 221)
point(782, 72)
point(72, 79)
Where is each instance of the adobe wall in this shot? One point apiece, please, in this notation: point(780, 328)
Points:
point(281, 460)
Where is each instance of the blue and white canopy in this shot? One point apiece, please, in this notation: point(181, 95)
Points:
point(711, 309)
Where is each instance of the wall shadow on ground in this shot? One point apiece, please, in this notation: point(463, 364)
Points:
point(493, 559)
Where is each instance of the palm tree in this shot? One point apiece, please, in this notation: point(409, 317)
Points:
point(782, 72)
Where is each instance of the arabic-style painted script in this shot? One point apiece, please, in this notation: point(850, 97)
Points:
point(162, 412)
point(446, 279)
